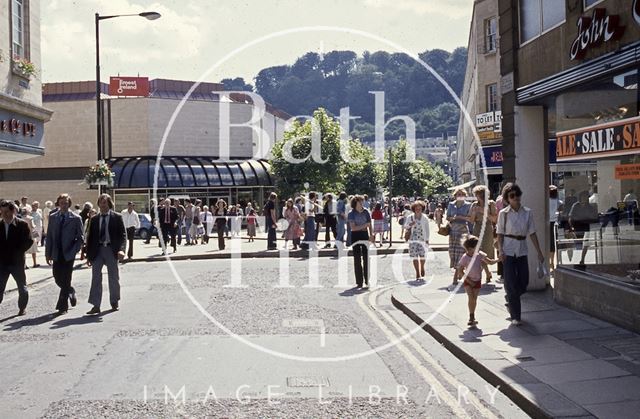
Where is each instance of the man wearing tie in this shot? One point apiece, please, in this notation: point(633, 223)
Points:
point(15, 240)
point(65, 241)
point(168, 216)
point(107, 241)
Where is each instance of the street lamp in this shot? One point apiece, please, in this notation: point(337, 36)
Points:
point(146, 15)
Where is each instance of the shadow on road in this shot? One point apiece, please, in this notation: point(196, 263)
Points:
point(77, 321)
point(34, 321)
point(353, 291)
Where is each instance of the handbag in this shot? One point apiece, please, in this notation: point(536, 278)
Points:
point(444, 230)
point(407, 234)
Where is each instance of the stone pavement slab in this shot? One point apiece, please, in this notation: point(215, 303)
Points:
point(560, 363)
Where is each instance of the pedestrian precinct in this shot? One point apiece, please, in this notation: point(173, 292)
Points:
point(168, 217)
point(131, 225)
point(106, 243)
point(515, 223)
point(293, 231)
point(360, 222)
point(478, 221)
point(180, 222)
point(458, 218)
point(271, 219)
point(38, 221)
point(66, 238)
point(416, 228)
point(236, 220)
point(15, 239)
point(220, 217)
point(472, 264)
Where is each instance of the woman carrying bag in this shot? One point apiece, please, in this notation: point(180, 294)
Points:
point(417, 234)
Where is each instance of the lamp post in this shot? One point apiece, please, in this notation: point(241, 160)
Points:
point(146, 15)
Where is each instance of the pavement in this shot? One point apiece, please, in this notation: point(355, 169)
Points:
point(559, 363)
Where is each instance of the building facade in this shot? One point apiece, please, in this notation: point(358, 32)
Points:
point(481, 100)
point(134, 130)
point(571, 68)
point(22, 115)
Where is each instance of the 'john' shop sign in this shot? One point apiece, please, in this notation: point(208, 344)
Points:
point(613, 139)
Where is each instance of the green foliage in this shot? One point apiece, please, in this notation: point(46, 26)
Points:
point(342, 78)
point(332, 175)
point(237, 84)
point(417, 177)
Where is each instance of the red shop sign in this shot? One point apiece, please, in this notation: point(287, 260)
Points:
point(129, 86)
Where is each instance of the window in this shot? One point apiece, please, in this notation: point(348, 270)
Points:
point(19, 28)
point(490, 34)
point(538, 16)
point(589, 3)
point(492, 97)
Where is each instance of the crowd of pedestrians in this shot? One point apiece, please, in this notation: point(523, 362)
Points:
point(475, 226)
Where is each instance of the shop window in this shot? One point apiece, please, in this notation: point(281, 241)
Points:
point(539, 16)
point(492, 97)
point(490, 35)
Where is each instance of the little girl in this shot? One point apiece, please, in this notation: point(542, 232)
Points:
point(474, 267)
point(252, 221)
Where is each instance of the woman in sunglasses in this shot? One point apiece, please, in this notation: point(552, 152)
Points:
point(515, 224)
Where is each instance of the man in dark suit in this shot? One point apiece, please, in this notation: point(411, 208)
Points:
point(168, 218)
point(65, 241)
point(15, 240)
point(153, 212)
point(106, 244)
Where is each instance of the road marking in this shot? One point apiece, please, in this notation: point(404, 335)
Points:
point(426, 374)
point(317, 323)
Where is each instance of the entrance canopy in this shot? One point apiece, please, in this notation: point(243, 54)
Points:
point(188, 172)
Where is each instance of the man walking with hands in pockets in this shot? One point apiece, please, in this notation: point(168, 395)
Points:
point(65, 240)
point(107, 241)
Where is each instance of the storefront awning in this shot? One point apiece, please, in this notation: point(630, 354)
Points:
point(188, 172)
point(463, 186)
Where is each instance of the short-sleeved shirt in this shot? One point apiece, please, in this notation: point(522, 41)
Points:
point(515, 223)
point(359, 218)
point(462, 211)
point(473, 266)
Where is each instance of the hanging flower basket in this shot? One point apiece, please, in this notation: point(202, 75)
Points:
point(99, 174)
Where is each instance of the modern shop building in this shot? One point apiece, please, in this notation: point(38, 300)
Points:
point(22, 115)
point(195, 161)
point(569, 72)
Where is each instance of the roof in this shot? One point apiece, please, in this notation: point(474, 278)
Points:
point(188, 172)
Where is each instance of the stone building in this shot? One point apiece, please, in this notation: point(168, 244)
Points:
point(22, 115)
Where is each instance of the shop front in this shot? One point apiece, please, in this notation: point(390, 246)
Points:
point(594, 160)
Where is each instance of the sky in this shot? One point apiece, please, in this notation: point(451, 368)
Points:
point(192, 36)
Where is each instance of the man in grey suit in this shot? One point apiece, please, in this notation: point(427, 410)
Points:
point(65, 240)
point(106, 243)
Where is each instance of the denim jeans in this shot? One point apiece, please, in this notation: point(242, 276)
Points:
point(187, 227)
point(516, 280)
point(342, 229)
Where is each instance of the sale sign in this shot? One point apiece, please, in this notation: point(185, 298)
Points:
point(129, 86)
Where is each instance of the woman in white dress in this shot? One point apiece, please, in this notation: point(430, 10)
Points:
point(417, 224)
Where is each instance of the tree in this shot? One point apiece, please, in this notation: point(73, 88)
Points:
point(415, 178)
point(237, 84)
point(358, 175)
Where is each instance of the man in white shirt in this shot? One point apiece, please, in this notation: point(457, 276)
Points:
point(131, 224)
